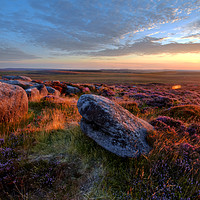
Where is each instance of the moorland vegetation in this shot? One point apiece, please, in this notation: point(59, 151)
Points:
point(45, 155)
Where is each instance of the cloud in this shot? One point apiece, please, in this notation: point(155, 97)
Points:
point(193, 26)
point(190, 30)
point(150, 46)
point(193, 36)
point(91, 27)
point(13, 54)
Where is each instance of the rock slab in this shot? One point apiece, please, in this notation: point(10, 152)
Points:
point(23, 78)
point(13, 102)
point(23, 84)
point(113, 127)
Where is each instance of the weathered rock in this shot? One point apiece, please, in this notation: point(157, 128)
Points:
point(42, 89)
point(23, 84)
point(112, 126)
point(53, 91)
point(72, 90)
point(13, 102)
point(33, 94)
point(23, 78)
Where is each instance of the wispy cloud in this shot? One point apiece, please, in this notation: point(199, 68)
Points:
point(193, 26)
point(13, 54)
point(193, 36)
point(150, 46)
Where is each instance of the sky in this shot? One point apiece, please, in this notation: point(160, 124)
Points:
point(100, 34)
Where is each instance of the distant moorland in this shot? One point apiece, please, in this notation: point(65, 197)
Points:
point(109, 76)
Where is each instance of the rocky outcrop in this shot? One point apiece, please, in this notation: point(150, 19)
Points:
point(72, 90)
point(52, 91)
point(22, 78)
point(13, 102)
point(33, 94)
point(112, 126)
point(42, 89)
point(23, 84)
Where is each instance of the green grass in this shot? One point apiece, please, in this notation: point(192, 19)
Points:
point(115, 177)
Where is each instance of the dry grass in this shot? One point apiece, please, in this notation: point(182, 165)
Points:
point(57, 115)
point(45, 117)
point(52, 119)
point(16, 125)
point(36, 98)
point(187, 113)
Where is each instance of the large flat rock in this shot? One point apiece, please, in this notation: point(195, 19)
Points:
point(113, 127)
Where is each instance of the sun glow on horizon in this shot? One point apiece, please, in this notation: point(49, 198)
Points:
point(184, 61)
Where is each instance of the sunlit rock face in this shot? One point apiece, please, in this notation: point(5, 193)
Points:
point(112, 126)
point(13, 102)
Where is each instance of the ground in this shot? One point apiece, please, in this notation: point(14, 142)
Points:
point(46, 155)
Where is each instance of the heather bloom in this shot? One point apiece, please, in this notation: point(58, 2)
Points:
point(160, 101)
point(169, 124)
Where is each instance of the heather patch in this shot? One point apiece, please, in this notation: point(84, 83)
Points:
point(160, 101)
point(169, 124)
point(21, 178)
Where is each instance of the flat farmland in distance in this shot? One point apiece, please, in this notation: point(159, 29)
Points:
point(110, 77)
